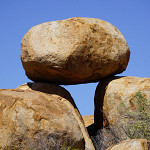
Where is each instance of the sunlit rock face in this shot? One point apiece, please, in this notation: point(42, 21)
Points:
point(32, 117)
point(135, 144)
point(118, 100)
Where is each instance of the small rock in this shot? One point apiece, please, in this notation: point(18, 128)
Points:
point(134, 144)
point(88, 120)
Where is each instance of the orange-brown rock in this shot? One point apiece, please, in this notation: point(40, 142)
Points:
point(72, 51)
point(114, 92)
point(88, 120)
point(49, 89)
point(31, 119)
point(134, 144)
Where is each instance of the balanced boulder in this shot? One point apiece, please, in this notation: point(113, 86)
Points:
point(30, 119)
point(72, 51)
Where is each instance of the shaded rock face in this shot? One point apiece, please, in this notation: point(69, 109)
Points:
point(111, 93)
point(72, 51)
point(135, 144)
point(36, 120)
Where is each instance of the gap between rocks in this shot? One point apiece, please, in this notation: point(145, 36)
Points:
point(83, 95)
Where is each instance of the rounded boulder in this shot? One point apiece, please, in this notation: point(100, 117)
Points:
point(72, 51)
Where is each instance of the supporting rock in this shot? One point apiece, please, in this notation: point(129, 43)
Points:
point(38, 120)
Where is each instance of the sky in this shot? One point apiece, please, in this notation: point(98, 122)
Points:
point(131, 17)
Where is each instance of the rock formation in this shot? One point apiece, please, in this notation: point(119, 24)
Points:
point(43, 115)
point(72, 51)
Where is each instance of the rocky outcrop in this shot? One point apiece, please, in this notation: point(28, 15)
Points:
point(135, 144)
point(43, 115)
point(119, 99)
point(31, 119)
point(72, 51)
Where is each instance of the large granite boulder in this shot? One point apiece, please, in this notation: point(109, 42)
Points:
point(72, 51)
point(122, 105)
point(30, 119)
point(135, 144)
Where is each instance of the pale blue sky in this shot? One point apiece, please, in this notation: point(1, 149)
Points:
point(131, 17)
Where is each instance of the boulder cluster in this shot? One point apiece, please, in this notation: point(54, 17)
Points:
point(42, 115)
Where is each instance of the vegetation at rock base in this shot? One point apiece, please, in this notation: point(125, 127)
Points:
point(104, 138)
point(41, 141)
point(137, 122)
point(134, 124)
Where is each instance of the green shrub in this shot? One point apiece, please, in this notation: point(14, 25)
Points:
point(136, 122)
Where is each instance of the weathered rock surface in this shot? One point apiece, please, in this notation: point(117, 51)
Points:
point(31, 119)
point(49, 89)
point(111, 94)
point(88, 120)
point(135, 144)
point(72, 51)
